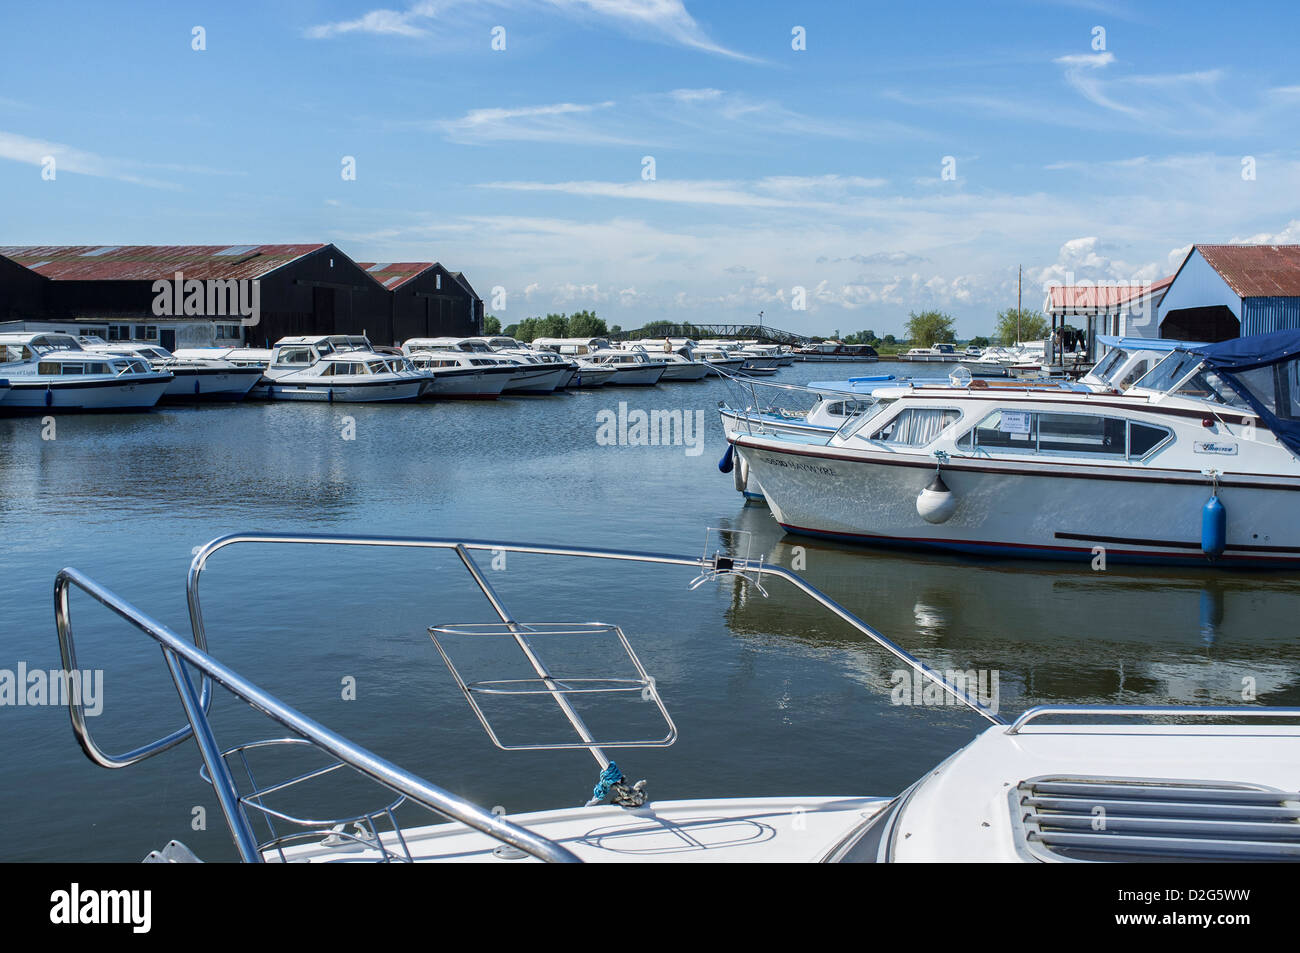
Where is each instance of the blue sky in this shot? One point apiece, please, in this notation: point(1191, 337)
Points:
point(775, 169)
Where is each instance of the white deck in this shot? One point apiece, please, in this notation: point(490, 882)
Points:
point(709, 831)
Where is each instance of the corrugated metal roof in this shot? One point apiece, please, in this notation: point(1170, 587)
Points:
point(1257, 271)
point(1071, 298)
point(392, 275)
point(151, 262)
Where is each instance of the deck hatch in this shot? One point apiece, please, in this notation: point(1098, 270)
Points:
point(1136, 819)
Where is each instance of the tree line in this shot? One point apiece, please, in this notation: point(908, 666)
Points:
point(924, 328)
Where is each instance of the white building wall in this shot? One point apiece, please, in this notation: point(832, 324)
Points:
point(1198, 285)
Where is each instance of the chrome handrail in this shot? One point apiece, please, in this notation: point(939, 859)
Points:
point(1151, 711)
point(178, 652)
point(758, 567)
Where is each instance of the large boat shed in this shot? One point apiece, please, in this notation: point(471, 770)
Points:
point(125, 293)
point(1228, 291)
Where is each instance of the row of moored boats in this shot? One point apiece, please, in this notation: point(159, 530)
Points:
point(54, 370)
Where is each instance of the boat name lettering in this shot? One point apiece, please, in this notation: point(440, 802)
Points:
point(791, 465)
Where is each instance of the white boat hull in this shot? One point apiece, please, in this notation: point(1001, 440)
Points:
point(633, 375)
point(685, 372)
point(536, 379)
point(211, 384)
point(382, 392)
point(1006, 508)
point(467, 384)
point(140, 393)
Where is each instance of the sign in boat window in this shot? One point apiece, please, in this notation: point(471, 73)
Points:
point(1073, 434)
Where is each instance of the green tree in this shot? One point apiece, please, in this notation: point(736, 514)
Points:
point(889, 339)
point(511, 331)
point(491, 324)
point(979, 342)
point(585, 324)
point(1013, 327)
point(928, 328)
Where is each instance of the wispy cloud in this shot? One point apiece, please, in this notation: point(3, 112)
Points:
point(78, 161)
point(698, 117)
point(803, 192)
point(555, 122)
point(666, 21)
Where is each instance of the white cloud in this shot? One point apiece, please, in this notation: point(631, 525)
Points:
point(666, 21)
point(78, 161)
point(555, 122)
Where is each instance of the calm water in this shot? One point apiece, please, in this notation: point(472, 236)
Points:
point(770, 696)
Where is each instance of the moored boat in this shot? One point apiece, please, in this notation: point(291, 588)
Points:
point(1192, 465)
point(51, 371)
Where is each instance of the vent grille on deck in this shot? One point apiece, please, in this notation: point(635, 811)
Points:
point(1095, 819)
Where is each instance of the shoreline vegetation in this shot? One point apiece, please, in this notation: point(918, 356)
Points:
point(923, 329)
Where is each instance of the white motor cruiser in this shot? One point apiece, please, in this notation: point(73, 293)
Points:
point(632, 368)
point(461, 375)
point(50, 370)
point(197, 379)
point(529, 377)
point(289, 356)
point(680, 368)
point(353, 377)
point(1196, 464)
point(1169, 784)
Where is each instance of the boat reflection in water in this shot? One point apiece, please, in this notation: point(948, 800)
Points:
point(1055, 633)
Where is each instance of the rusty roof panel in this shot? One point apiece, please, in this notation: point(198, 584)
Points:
point(1094, 298)
point(1257, 271)
point(392, 275)
point(151, 262)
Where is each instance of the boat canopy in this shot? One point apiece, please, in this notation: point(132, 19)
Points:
point(1145, 344)
point(1265, 370)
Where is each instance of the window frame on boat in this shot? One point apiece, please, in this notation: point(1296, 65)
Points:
point(890, 421)
point(969, 441)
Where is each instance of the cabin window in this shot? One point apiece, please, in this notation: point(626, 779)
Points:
point(1207, 385)
point(1169, 371)
point(376, 367)
point(1080, 433)
point(295, 355)
point(1072, 434)
point(1143, 438)
point(845, 408)
point(1276, 386)
point(917, 426)
point(1135, 374)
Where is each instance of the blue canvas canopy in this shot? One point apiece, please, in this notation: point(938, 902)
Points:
point(1265, 370)
point(1257, 350)
point(1145, 344)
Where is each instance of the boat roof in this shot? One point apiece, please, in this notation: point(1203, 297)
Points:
point(1145, 344)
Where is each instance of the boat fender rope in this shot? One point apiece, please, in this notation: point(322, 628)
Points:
point(612, 788)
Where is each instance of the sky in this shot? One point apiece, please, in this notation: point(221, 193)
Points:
point(834, 165)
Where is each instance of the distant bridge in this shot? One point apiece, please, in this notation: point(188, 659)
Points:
point(699, 332)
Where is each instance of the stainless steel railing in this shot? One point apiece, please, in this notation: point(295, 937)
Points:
point(181, 654)
point(187, 657)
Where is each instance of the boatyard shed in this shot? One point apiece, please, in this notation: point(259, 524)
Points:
point(114, 291)
point(1123, 309)
point(1227, 291)
point(427, 300)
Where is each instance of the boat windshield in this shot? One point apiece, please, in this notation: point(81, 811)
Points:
point(1169, 372)
point(1206, 384)
point(855, 423)
point(1109, 365)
